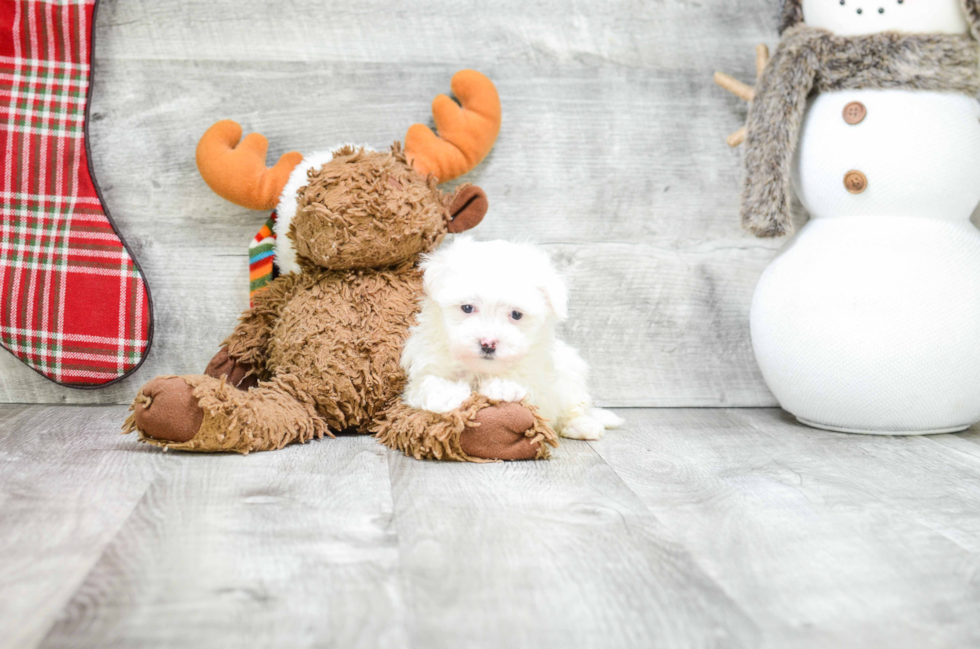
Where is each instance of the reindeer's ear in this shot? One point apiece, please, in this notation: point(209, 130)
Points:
point(468, 208)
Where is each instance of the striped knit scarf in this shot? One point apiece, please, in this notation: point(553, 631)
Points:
point(261, 259)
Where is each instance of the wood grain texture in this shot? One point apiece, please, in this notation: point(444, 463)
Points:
point(290, 549)
point(549, 554)
point(68, 483)
point(612, 155)
point(687, 528)
point(826, 540)
point(132, 547)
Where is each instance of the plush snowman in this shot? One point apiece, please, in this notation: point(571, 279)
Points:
point(869, 318)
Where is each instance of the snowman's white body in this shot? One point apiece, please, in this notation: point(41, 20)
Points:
point(869, 319)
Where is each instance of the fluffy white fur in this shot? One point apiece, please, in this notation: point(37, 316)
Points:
point(286, 209)
point(451, 353)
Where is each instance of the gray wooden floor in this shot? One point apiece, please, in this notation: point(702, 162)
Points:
point(689, 528)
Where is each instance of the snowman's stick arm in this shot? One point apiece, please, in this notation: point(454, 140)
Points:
point(737, 138)
point(734, 86)
point(743, 90)
point(761, 59)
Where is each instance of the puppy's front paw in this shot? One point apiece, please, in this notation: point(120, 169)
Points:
point(503, 390)
point(442, 396)
point(583, 428)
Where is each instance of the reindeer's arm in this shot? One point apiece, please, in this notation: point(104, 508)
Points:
point(244, 354)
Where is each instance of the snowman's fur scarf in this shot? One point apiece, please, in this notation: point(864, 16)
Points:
point(791, 14)
point(814, 60)
point(972, 9)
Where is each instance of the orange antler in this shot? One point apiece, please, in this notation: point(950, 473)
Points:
point(466, 134)
point(236, 170)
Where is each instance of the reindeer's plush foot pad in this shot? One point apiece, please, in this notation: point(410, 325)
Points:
point(166, 410)
point(479, 431)
point(502, 434)
point(208, 415)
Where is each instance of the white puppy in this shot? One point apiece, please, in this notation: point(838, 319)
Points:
point(488, 325)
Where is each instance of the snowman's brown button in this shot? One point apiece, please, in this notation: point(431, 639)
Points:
point(855, 182)
point(855, 112)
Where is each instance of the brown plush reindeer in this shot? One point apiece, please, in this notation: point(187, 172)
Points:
point(319, 351)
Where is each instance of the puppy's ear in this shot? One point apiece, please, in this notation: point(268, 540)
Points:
point(555, 292)
point(437, 266)
point(433, 267)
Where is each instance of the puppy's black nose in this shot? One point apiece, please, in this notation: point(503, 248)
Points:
point(488, 347)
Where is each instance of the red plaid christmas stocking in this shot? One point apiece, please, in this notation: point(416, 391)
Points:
point(73, 302)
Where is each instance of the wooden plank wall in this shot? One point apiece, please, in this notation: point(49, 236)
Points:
point(612, 155)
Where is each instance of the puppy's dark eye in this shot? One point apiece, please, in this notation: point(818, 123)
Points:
point(467, 308)
point(516, 315)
